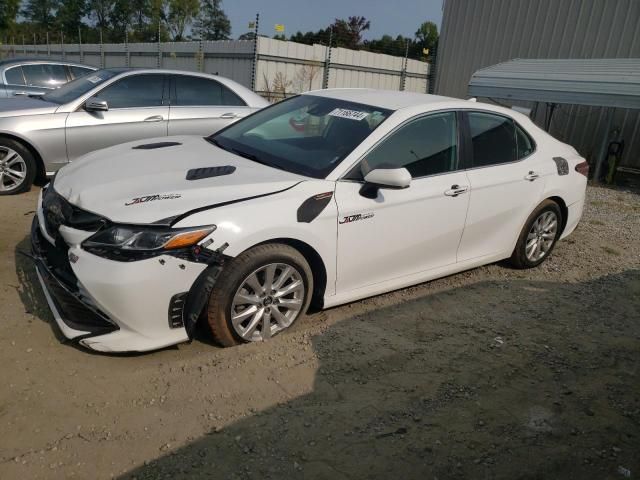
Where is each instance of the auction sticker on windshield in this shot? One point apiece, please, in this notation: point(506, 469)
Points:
point(94, 79)
point(350, 114)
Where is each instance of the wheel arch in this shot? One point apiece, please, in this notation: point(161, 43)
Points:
point(41, 174)
point(311, 255)
point(564, 210)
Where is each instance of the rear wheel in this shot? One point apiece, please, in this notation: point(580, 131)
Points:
point(17, 167)
point(538, 237)
point(259, 294)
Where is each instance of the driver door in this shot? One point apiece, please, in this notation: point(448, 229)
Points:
point(408, 231)
point(136, 111)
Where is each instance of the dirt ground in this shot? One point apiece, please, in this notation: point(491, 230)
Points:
point(492, 373)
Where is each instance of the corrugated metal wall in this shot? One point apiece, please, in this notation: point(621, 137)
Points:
point(479, 33)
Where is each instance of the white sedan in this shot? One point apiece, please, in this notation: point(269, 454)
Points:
point(327, 197)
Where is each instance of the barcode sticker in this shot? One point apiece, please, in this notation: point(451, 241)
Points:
point(350, 114)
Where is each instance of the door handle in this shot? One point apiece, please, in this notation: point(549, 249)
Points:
point(456, 190)
point(531, 176)
point(155, 118)
point(228, 115)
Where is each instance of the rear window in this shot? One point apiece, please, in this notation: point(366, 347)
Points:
point(14, 76)
point(192, 91)
point(493, 138)
point(44, 75)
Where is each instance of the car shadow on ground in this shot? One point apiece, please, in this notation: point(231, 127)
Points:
point(498, 379)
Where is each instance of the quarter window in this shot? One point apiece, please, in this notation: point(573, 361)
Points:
point(45, 75)
point(425, 146)
point(134, 91)
point(14, 76)
point(493, 138)
point(191, 91)
point(524, 143)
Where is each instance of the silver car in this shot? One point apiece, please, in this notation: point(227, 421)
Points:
point(22, 77)
point(39, 135)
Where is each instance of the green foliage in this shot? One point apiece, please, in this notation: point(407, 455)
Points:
point(212, 23)
point(8, 13)
point(41, 12)
point(69, 16)
point(180, 14)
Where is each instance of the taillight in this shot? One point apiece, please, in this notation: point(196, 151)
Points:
point(583, 168)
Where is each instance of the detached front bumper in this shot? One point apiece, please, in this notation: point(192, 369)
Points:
point(113, 306)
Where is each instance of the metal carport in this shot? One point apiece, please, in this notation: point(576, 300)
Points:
point(607, 82)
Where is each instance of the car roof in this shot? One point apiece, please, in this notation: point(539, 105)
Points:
point(387, 99)
point(25, 60)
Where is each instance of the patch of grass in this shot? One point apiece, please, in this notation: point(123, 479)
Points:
point(611, 251)
point(597, 203)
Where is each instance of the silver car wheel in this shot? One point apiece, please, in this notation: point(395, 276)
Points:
point(541, 236)
point(13, 169)
point(267, 302)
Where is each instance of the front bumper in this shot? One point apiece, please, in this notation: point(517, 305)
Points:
point(112, 306)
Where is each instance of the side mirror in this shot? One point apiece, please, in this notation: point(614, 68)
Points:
point(395, 178)
point(96, 105)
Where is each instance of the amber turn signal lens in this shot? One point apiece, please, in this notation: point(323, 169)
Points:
point(186, 239)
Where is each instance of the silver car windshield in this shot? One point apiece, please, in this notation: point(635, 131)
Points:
point(309, 135)
point(78, 87)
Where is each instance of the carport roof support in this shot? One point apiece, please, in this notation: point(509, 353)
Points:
point(606, 82)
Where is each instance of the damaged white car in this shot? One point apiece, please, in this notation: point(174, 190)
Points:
point(330, 197)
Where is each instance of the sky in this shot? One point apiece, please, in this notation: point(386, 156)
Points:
point(399, 17)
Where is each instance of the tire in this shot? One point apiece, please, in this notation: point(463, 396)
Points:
point(533, 233)
point(20, 160)
point(233, 290)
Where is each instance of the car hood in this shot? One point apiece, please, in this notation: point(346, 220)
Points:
point(10, 107)
point(141, 186)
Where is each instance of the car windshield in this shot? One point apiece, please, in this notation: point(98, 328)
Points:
point(308, 135)
point(78, 87)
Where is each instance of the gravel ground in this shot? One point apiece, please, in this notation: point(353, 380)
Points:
point(492, 373)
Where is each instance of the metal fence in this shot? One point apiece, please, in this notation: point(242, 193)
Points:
point(273, 68)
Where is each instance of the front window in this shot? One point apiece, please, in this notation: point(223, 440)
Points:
point(307, 135)
point(78, 87)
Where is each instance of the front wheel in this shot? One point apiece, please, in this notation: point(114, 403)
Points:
point(259, 294)
point(539, 236)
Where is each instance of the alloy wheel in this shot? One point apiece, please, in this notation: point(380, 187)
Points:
point(541, 236)
point(13, 169)
point(267, 302)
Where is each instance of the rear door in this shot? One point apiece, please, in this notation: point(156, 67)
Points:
point(506, 177)
point(136, 111)
point(202, 106)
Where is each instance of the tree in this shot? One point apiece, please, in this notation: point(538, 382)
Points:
point(212, 23)
point(348, 33)
point(120, 19)
point(100, 11)
point(41, 12)
point(69, 16)
point(427, 36)
point(8, 12)
point(180, 14)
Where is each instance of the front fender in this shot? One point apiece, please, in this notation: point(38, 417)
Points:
point(245, 224)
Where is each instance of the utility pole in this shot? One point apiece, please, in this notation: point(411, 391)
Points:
point(254, 67)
